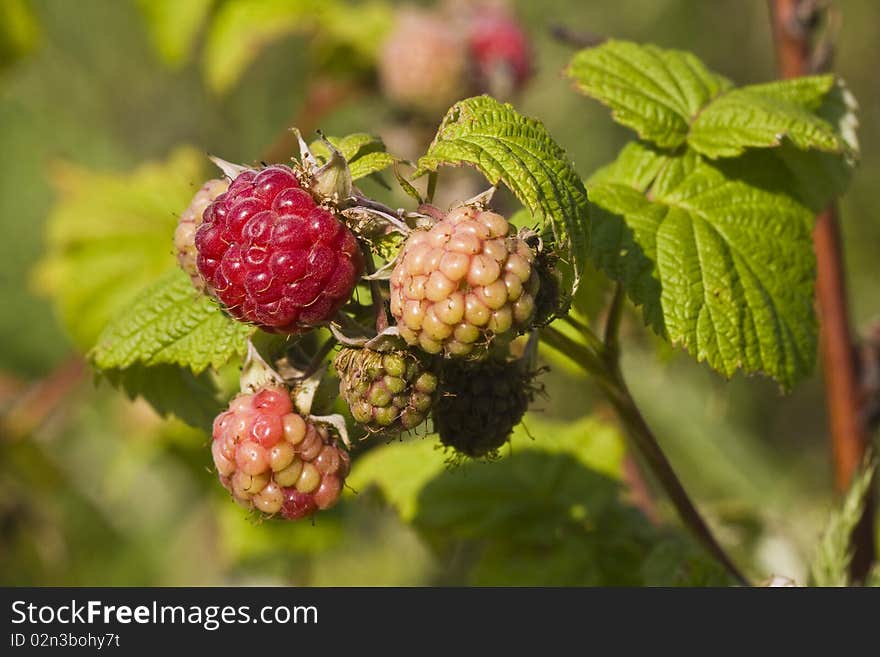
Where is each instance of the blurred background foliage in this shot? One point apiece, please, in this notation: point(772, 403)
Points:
point(106, 108)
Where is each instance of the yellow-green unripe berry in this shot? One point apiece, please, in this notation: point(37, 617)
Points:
point(387, 392)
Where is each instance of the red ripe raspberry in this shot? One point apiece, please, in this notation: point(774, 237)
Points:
point(463, 283)
point(499, 46)
point(275, 461)
point(190, 220)
point(274, 257)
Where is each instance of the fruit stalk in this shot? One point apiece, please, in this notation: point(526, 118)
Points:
point(794, 24)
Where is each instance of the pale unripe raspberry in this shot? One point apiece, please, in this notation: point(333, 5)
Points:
point(479, 403)
point(463, 283)
point(190, 220)
point(424, 63)
point(387, 392)
point(273, 460)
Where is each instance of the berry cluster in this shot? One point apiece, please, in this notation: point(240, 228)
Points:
point(277, 252)
point(275, 461)
point(462, 283)
point(273, 256)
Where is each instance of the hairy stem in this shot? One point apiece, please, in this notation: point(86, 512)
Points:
point(379, 311)
point(794, 26)
point(605, 368)
point(612, 323)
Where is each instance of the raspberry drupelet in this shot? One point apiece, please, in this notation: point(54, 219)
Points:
point(190, 220)
point(274, 257)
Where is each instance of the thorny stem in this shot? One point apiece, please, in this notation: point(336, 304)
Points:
point(794, 30)
point(606, 371)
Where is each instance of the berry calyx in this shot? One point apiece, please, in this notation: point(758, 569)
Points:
point(274, 257)
point(275, 461)
point(387, 392)
point(463, 284)
point(479, 403)
point(190, 220)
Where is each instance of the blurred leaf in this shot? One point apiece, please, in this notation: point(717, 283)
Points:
point(170, 322)
point(830, 565)
point(400, 470)
point(518, 151)
point(726, 268)
point(548, 512)
point(110, 235)
point(675, 562)
point(376, 549)
point(19, 30)
point(171, 390)
point(242, 28)
point(174, 25)
point(351, 34)
point(246, 539)
point(655, 92)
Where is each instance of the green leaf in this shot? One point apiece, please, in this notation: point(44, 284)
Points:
point(365, 153)
point(110, 235)
point(830, 565)
point(174, 25)
point(171, 390)
point(624, 245)
point(655, 92)
point(834, 169)
point(636, 166)
point(518, 151)
point(763, 115)
point(242, 28)
point(170, 322)
point(669, 98)
point(721, 266)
